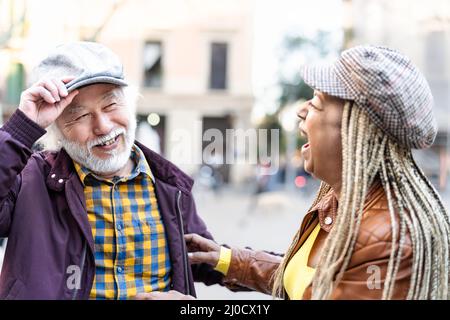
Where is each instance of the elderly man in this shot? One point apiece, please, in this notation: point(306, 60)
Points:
point(102, 217)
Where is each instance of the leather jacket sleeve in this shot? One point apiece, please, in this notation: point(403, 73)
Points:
point(251, 269)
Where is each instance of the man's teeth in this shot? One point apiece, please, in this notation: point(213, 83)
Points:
point(108, 142)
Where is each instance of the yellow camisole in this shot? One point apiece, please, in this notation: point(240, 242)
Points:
point(298, 275)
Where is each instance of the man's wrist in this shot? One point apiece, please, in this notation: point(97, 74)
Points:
point(23, 129)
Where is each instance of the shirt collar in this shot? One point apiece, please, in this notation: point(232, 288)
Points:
point(138, 157)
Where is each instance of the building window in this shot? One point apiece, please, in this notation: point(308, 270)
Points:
point(153, 64)
point(219, 61)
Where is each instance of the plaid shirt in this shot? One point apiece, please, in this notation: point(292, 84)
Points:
point(131, 252)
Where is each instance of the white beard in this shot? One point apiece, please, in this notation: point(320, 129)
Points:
point(84, 156)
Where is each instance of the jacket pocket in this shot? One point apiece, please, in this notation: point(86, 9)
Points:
point(15, 290)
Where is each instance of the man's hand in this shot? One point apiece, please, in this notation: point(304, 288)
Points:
point(157, 295)
point(44, 101)
point(202, 250)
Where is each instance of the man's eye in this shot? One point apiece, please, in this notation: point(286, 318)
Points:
point(110, 106)
point(82, 116)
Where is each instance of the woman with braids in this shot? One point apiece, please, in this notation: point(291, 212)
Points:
point(377, 228)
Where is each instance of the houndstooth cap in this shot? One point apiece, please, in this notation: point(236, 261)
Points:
point(387, 85)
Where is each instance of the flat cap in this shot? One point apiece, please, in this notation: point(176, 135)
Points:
point(89, 62)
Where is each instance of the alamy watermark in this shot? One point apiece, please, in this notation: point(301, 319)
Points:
point(73, 281)
point(374, 280)
point(234, 146)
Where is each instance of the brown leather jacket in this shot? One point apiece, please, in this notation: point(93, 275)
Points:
point(254, 269)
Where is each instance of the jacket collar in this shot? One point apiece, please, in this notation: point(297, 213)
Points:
point(62, 169)
point(327, 207)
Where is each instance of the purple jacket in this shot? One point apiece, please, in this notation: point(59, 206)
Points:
point(43, 214)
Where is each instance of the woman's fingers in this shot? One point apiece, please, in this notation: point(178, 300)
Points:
point(202, 250)
point(210, 258)
point(195, 242)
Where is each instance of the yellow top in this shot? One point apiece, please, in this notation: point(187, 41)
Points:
point(298, 275)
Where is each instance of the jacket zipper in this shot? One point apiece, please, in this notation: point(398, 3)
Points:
point(183, 244)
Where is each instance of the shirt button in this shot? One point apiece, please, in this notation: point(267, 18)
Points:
point(328, 221)
point(119, 269)
point(119, 226)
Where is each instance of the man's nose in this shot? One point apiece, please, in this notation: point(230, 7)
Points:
point(102, 125)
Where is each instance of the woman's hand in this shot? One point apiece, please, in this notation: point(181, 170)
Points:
point(158, 295)
point(202, 250)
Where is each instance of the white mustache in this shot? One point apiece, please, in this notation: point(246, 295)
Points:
point(113, 134)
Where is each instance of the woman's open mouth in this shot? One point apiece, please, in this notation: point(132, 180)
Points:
point(306, 151)
point(305, 135)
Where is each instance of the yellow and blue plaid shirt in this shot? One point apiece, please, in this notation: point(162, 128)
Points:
point(131, 251)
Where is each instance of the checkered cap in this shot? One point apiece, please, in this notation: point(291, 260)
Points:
point(387, 85)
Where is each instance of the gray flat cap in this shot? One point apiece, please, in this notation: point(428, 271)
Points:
point(89, 62)
point(387, 85)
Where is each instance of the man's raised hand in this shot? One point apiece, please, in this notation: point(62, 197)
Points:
point(44, 101)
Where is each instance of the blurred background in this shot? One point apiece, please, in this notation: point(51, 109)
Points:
point(211, 64)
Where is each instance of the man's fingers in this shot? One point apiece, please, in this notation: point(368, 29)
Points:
point(146, 296)
point(51, 87)
point(67, 79)
point(62, 91)
point(42, 93)
point(169, 295)
point(67, 100)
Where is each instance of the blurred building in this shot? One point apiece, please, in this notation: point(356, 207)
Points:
point(190, 59)
point(421, 30)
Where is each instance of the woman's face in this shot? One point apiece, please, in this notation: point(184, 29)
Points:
point(320, 123)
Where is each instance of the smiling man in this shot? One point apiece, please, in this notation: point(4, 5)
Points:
point(96, 214)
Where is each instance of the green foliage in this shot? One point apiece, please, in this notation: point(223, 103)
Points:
point(293, 88)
